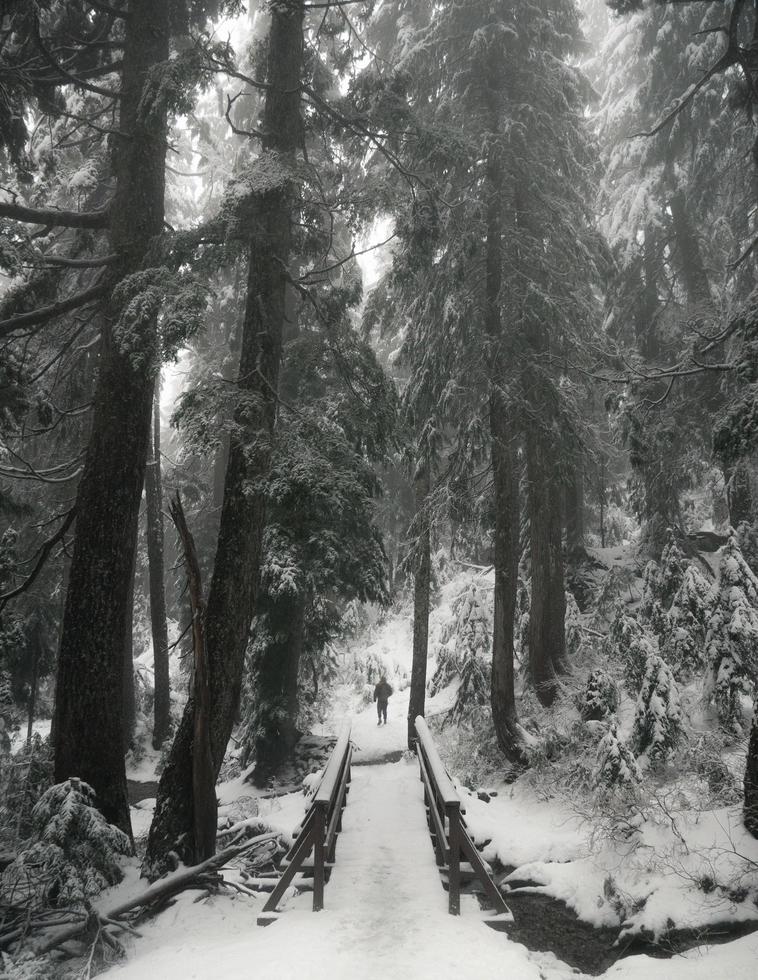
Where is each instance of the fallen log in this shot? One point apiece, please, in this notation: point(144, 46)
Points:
point(161, 890)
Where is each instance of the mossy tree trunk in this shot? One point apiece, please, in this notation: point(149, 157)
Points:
point(89, 696)
point(234, 585)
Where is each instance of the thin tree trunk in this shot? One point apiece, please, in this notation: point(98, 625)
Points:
point(547, 640)
point(204, 806)
point(89, 694)
point(421, 597)
point(233, 590)
point(155, 538)
point(750, 811)
point(574, 499)
point(739, 495)
point(130, 701)
point(506, 490)
point(33, 692)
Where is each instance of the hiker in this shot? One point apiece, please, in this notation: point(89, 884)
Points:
point(382, 694)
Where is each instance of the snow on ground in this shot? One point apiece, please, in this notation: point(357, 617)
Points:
point(386, 912)
point(385, 907)
point(732, 961)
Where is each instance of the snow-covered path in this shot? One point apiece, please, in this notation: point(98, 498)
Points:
point(385, 916)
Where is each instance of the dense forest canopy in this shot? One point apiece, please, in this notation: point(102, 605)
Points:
point(364, 294)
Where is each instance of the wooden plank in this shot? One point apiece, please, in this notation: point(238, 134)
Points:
point(326, 788)
point(299, 854)
point(438, 830)
point(454, 877)
point(490, 888)
point(437, 770)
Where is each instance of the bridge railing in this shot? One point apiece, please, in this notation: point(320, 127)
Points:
point(448, 829)
point(318, 831)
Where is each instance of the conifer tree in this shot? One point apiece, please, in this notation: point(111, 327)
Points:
point(732, 638)
point(658, 715)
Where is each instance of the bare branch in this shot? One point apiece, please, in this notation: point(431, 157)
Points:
point(45, 313)
point(54, 218)
point(43, 553)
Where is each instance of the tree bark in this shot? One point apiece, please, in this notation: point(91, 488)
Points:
point(89, 694)
point(506, 490)
point(547, 640)
point(574, 503)
point(130, 700)
point(204, 808)
point(276, 671)
point(155, 539)
point(234, 585)
point(739, 496)
point(750, 810)
point(421, 598)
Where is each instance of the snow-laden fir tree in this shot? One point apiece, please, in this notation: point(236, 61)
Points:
point(73, 852)
point(673, 567)
point(472, 643)
point(523, 603)
point(629, 643)
point(747, 539)
point(616, 766)
point(732, 638)
point(651, 588)
point(573, 625)
point(658, 716)
point(683, 644)
point(600, 697)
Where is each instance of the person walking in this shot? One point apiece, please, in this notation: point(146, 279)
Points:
point(382, 693)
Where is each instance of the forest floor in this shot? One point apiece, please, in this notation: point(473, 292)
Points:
point(581, 897)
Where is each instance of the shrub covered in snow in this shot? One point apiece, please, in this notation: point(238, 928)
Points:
point(732, 638)
point(673, 567)
point(683, 644)
point(629, 643)
point(616, 766)
point(470, 640)
point(73, 852)
point(600, 698)
point(651, 589)
point(658, 716)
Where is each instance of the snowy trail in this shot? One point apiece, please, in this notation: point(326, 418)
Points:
point(385, 916)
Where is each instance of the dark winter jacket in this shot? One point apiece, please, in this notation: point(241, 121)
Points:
point(382, 691)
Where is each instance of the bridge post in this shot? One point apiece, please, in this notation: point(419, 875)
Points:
point(319, 832)
point(453, 814)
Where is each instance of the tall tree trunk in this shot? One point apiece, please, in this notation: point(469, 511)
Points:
point(276, 666)
point(130, 700)
point(89, 693)
point(750, 811)
point(547, 640)
point(155, 537)
point(574, 503)
point(506, 489)
point(739, 494)
point(233, 590)
point(421, 595)
point(205, 810)
point(506, 492)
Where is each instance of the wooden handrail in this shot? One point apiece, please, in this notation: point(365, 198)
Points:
point(318, 830)
point(448, 828)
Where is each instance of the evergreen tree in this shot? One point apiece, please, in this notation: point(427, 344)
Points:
point(615, 766)
point(683, 643)
point(628, 643)
point(658, 715)
point(732, 638)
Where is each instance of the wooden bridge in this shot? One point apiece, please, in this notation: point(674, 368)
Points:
point(381, 853)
